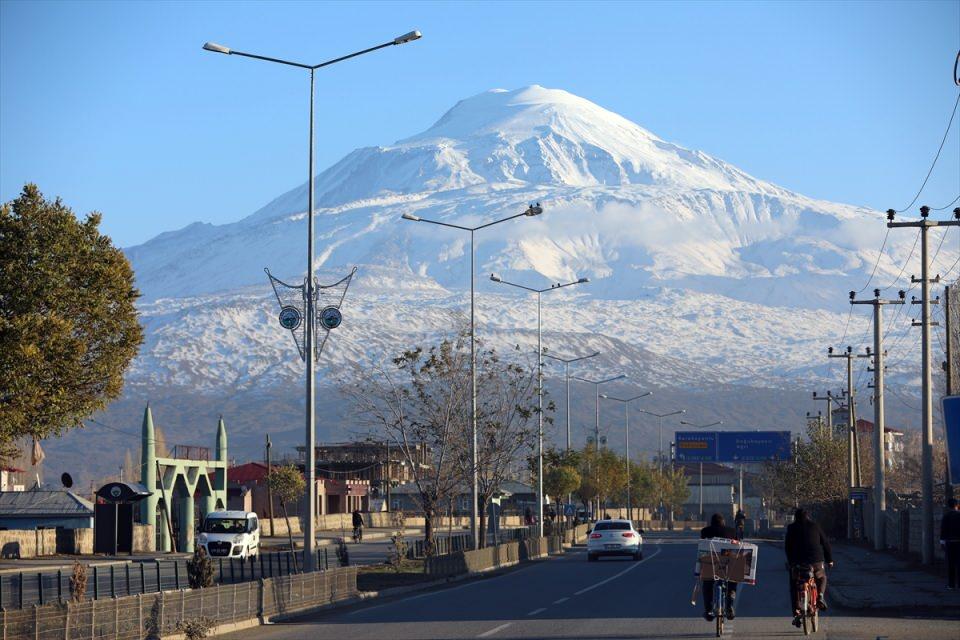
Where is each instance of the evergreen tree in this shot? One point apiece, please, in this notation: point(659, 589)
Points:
point(68, 324)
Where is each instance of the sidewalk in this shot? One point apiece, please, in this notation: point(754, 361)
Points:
point(867, 579)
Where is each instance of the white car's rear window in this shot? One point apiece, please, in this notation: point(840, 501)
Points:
point(612, 526)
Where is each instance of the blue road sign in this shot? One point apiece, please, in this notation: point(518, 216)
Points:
point(753, 446)
point(696, 446)
point(951, 424)
point(570, 510)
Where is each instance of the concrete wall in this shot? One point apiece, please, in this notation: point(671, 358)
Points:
point(27, 543)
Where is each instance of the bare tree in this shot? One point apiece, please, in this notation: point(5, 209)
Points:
point(421, 400)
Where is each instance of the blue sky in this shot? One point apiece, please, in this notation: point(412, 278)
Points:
point(114, 106)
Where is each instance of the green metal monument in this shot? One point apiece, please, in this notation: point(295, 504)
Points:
point(178, 481)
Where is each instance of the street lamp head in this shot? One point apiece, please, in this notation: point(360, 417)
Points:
point(407, 37)
point(410, 216)
point(533, 210)
point(216, 48)
point(495, 277)
point(583, 280)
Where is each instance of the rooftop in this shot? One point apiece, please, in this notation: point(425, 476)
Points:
point(43, 503)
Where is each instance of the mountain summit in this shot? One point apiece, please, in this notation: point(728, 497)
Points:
point(622, 206)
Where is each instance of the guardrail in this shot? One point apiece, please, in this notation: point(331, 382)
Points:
point(28, 588)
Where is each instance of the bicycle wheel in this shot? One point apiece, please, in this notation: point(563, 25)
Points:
point(805, 611)
point(720, 607)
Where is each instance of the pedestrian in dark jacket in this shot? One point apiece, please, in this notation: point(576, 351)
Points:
point(718, 529)
point(950, 541)
point(807, 545)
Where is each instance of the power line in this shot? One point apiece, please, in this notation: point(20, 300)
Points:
point(949, 204)
point(935, 158)
point(877, 263)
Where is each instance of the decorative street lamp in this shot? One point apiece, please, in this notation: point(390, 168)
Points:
point(299, 317)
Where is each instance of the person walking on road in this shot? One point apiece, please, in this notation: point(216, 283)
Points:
point(739, 521)
point(718, 529)
point(806, 544)
point(950, 541)
point(357, 526)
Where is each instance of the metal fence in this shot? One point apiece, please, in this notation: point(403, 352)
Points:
point(157, 615)
point(441, 546)
point(28, 588)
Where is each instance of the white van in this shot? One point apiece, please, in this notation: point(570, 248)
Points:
point(234, 534)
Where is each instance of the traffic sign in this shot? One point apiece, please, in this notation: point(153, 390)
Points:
point(732, 446)
point(696, 446)
point(859, 493)
point(753, 446)
point(951, 424)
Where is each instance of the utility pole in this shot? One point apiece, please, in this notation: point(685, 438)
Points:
point(950, 366)
point(851, 430)
point(269, 490)
point(925, 224)
point(829, 398)
point(879, 426)
point(566, 375)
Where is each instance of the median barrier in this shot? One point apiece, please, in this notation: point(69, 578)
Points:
point(461, 562)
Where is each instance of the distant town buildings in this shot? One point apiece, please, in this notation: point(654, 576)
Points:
point(892, 443)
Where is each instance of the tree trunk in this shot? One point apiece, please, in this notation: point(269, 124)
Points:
point(482, 528)
point(293, 550)
point(428, 516)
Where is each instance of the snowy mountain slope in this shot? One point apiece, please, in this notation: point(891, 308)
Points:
point(621, 206)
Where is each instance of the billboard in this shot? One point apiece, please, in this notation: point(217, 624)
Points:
point(733, 446)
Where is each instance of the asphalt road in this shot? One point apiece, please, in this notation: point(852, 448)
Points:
point(565, 597)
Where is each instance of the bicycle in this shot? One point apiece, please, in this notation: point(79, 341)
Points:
point(719, 604)
point(358, 534)
point(804, 581)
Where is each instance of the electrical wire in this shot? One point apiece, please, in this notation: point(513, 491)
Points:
point(935, 158)
point(877, 263)
point(946, 206)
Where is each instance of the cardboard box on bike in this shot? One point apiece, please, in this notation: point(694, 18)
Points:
point(724, 559)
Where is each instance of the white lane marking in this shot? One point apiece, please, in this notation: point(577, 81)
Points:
point(536, 611)
point(616, 575)
point(487, 634)
point(560, 601)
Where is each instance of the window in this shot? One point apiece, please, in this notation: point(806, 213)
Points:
point(612, 526)
point(254, 524)
point(225, 525)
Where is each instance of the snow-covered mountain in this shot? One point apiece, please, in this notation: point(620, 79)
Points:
point(701, 275)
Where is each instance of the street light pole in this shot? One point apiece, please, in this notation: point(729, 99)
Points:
point(540, 293)
point(310, 496)
point(705, 426)
point(626, 427)
point(596, 384)
point(660, 417)
point(532, 210)
point(566, 374)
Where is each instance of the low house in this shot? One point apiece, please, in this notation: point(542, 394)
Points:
point(41, 509)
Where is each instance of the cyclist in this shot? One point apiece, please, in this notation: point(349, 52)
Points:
point(357, 525)
point(718, 529)
point(806, 544)
point(740, 520)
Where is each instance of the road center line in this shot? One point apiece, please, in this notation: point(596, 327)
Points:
point(617, 575)
point(536, 611)
point(487, 634)
point(560, 601)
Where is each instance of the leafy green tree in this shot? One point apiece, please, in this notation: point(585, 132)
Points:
point(673, 487)
point(287, 485)
point(560, 482)
point(68, 324)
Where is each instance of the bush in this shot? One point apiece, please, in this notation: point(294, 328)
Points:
point(78, 581)
point(398, 550)
point(200, 570)
point(343, 555)
point(196, 628)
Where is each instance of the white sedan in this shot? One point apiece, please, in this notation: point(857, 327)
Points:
point(614, 538)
